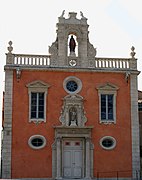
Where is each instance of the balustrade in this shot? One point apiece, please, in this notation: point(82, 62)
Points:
point(114, 63)
point(97, 63)
point(31, 60)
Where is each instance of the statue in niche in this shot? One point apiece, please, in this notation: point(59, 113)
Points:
point(72, 116)
point(72, 44)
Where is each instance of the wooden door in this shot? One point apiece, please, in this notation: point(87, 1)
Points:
point(72, 158)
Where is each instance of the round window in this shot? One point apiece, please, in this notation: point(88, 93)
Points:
point(72, 85)
point(37, 141)
point(108, 142)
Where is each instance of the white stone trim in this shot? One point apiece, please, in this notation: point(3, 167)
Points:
point(108, 137)
point(37, 86)
point(72, 78)
point(37, 136)
point(61, 133)
point(7, 130)
point(134, 124)
point(107, 89)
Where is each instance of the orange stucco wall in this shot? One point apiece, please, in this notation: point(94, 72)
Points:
point(29, 163)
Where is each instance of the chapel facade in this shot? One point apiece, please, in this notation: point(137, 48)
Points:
point(70, 114)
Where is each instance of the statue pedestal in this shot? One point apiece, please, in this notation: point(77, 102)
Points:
point(73, 123)
point(72, 54)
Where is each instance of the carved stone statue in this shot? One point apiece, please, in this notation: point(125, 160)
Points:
point(72, 44)
point(73, 117)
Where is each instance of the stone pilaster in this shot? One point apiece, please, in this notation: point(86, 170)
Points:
point(7, 130)
point(88, 164)
point(58, 158)
point(135, 125)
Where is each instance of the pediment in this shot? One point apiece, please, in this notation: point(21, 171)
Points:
point(108, 86)
point(38, 84)
point(73, 97)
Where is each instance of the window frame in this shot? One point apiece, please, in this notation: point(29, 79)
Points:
point(108, 137)
point(108, 89)
point(107, 107)
point(76, 80)
point(34, 137)
point(37, 105)
point(140, 105)
point(38, 87)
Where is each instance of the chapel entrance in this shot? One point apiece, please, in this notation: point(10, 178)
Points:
point(72, 158)
point(72, 153)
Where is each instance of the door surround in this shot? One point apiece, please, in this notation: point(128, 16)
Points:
point(61, 133)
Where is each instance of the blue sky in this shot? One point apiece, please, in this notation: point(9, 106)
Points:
point(114, 25)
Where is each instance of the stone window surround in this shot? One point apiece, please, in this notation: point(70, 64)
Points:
point(72, 78)
point(107, 89)
point(37, 86)
point(37, 136)
point(108, 137)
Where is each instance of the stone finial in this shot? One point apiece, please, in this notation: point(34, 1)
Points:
point(10, 48)
point(72, 15)
point(132, 53)
point(81, 14)
point(62, 15)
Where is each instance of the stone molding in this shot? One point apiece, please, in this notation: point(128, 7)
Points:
point(61, 133)
point(72, 78)
point(7, 129)
point(76, 102)
point(134, 125)
point(37, 136)
point(108, 88)
point(37, 86)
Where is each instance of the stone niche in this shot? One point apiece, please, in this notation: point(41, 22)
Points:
point(72, 113)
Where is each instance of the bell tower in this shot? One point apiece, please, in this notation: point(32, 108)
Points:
point(72, 46)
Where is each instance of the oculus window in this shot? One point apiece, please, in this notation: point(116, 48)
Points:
point(108, 142)
point(37, 142)
point(72, 85)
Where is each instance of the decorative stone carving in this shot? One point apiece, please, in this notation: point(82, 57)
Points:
point(62, 15)
point(107, 87)
point(133, 52)
point(10, 56)
point(91, 53)
point(18, 74)
point(37, 86)
point(81, 14)
point(72, 113)
point(53, 50)
point(42, 86)
point(91, 50)
point(10, 48)
point(133, 61)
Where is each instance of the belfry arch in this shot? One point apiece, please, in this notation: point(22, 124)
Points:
point(72, 45)
point(84, 51)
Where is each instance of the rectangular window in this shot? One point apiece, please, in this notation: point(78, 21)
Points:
point(37, 105)
point(140, 106)
point(107, 107)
